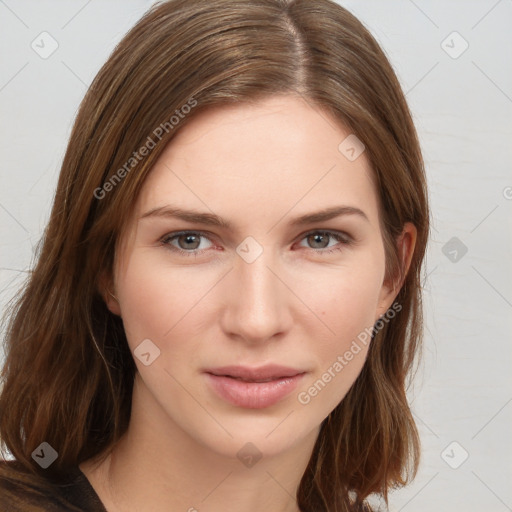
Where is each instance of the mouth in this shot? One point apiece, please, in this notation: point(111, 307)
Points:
point(261, 374)
point(250, 380)
point(254, 388)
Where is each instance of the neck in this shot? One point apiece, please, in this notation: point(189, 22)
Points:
point(157, 466)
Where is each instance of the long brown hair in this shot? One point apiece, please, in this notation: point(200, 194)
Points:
point(68, 374)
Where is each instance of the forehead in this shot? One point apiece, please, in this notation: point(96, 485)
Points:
point(260, 160)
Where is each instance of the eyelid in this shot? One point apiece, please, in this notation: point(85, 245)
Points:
point(175, 234)
point(344, 239)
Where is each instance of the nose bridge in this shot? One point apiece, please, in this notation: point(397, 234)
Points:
point(256, 300)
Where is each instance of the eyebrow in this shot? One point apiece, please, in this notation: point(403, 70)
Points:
point(211, 219)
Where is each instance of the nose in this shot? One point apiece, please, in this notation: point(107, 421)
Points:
point(257, 304)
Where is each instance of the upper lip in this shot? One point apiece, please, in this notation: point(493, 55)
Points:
point(267, 372)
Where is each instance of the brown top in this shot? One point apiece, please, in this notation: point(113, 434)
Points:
point(73, 494)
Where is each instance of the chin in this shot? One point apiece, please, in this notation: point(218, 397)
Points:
point(256, 434)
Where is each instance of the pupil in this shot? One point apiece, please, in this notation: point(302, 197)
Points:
point(317, 237)
point(189, 238)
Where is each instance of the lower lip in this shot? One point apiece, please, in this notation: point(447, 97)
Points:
point(253, 395)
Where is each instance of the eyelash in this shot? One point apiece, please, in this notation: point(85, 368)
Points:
point(343, 238)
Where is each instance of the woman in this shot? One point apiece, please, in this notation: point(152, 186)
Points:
point(258, 369)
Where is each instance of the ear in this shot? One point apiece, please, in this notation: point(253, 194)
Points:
point(107, 290)
point(390, 288)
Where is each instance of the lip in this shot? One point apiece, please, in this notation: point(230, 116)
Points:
point(254, 388)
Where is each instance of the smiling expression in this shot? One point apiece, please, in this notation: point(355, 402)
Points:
point(253, 242)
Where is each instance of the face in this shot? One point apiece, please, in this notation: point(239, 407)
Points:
point(214, 304)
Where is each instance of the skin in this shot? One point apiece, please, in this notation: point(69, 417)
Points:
point(258, 166)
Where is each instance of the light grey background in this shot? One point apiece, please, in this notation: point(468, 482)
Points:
point(462, 107)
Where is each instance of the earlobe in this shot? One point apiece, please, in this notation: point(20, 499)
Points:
point(406, 243)
point(111, 301)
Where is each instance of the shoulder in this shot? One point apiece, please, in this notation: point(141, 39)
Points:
point(22, 491)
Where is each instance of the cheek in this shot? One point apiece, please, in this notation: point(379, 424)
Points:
point(347, 300)
point(155, 299)
point(159, 302)
point(348, 310)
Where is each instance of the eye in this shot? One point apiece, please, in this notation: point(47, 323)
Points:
point(188, 243)
point(320, 237)
point(188, 240)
